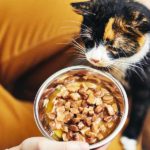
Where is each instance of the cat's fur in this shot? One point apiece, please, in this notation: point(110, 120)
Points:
point(116, 37)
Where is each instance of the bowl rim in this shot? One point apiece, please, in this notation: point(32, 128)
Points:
point(65, 70)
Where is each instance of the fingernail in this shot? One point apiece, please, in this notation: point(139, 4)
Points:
point(77, 146)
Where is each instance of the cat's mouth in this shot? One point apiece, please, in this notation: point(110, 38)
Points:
point(106, 69)
point(99, 66)
point(99, 63)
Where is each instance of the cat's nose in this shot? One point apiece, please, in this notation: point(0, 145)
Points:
point(95, 60)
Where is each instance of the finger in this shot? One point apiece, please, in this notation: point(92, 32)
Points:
point(71, 146)
point(65, 146)
point(42, 143)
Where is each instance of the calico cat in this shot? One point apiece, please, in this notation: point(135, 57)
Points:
point(116, 37)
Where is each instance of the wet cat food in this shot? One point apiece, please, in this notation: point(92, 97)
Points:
point(80, 106)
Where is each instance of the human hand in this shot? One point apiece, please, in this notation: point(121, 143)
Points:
point(42, 143)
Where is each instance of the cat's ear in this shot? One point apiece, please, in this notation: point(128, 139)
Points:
point(83, 8)
point(139, 21)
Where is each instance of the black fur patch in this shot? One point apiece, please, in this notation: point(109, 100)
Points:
point(131, 23)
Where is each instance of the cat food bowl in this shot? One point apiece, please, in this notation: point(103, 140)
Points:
point(80, 103)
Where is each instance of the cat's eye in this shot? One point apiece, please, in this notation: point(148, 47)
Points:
point(89, 44)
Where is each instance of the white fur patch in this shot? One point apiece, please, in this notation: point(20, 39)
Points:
point(98, 53)
point(128, 144)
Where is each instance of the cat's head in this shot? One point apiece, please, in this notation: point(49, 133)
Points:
point(114, 31)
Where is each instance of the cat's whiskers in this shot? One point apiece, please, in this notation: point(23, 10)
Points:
point(80, 58)
point(64, 43)
point(119, 74)
point(86, 30)
point(126, 63)
point(88, 12)
point(125, 55)
point(78, 23)
point(79, 45)
point(78, 49)
point(114, 66)
point(139, 75)
point(81, 35)
point(76, 27)
point(70, 40)
point(118, 53)
point(85, 35)
point(78, 55)
point(132, 67)
point(69, 27)
point(77, 52)
point(132, 50)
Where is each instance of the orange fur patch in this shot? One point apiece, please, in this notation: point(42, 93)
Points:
point(141, 41)
point(109, 32)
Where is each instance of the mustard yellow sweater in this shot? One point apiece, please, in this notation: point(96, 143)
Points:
point(30, 31)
